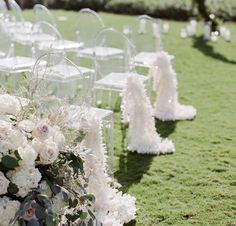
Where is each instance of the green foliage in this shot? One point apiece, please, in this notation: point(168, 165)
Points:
point(169, 9)
point(12, 188)
point(8, 162)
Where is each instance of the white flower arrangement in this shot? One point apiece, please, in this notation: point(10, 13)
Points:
point(40, 173)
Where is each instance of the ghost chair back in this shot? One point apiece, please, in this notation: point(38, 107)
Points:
point(59, 85)
point(5, 43)
point(114, 63)
point(16, 11)
point(3, 10)
point(42, 13)
point(89, 23)
point(18, 24)
point(46, 35)
point(145, 33)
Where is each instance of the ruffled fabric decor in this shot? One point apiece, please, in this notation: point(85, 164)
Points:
point(167, 107)
point(137, 110)
point(111, 207)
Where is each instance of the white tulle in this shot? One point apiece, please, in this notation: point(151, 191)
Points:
point(112, 207)
point(137, 110)
point(167, 107)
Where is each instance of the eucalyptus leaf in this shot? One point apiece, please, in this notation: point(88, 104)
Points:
point(9, 162)
point(33, 222)
point(56, 189)
point(83, 216)
point(12, 188)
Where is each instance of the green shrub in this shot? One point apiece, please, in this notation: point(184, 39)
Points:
point(169, 9)
point(177, 9)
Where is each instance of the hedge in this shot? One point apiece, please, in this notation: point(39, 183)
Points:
point(169, 9)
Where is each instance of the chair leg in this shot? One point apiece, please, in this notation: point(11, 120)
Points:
point(110, 97)
point(108, 130)
point(100, 97)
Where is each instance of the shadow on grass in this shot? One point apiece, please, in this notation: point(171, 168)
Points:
point(165, 128)
point(132, 166)
point(208, 50)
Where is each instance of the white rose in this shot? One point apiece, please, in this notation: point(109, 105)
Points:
point(48, 151)
point(26, 125)
point(25, 178)
point(8, 209)
point(9, 105)
point(42, 131)
point(16, 139)
point(4, 182)
point(58, 137)
point(28, 155)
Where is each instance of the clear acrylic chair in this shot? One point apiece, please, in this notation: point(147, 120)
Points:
point(9, 63)
point(48, 37)
point(3, 11)
point(61, 86)
point(89, 23)
point(145, 33)
point(112, 69)
point(42, 13)
point(18, 23)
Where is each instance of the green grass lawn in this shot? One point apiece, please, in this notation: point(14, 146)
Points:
point(197, 184)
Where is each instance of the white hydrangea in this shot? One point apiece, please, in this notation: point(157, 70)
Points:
point(25, 178)
point(16, 139)
point(48, 151)
point(4, 182)
point(28, 155)
point(26, 125)
point(8, 209)
point(5, 130)
point(9, 105)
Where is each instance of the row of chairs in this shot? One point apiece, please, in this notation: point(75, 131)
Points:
point(113, 54)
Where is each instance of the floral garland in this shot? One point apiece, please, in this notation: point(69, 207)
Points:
point(111, 206)
point(42, 180)
point(137, 111)
point(167, 106)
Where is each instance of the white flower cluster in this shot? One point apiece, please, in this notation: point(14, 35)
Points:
point(8, 208)
point(35, 141)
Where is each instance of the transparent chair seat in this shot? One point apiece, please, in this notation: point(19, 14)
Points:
point(100, 51)
point(20, 27)
point(106, 117)
point(147, 59)
point(115, 81)
point(74, 112)
point(32, 38)
point(62, 72)
point(59, 45)
point(16, 64)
